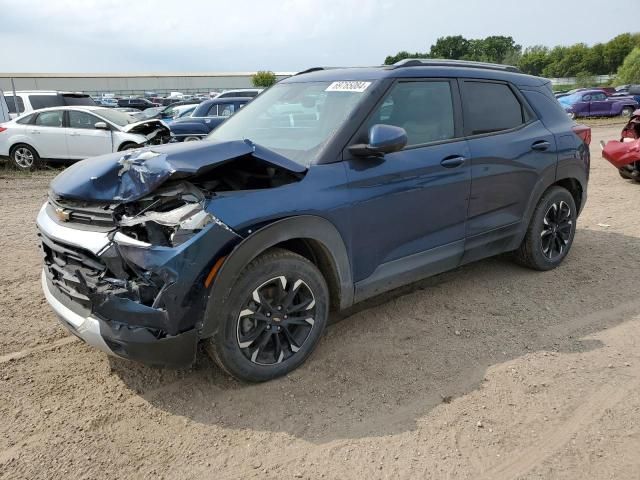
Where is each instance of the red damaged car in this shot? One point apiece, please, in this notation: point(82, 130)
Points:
point(625, 153)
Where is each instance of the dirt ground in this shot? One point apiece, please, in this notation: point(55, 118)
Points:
point(491, 371)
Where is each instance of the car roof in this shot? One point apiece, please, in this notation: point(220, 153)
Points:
point(242, 90)
point(226, 100)
point(93, 108)
point(419, 69)
point(45, 92)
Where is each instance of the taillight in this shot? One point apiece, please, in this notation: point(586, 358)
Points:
point(2, 129)
point(583, 132)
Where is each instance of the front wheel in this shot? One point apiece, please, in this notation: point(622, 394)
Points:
point(273, 318)
point(551, 231)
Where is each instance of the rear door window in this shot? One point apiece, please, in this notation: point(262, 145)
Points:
point(490, 107)
point(49, 119)
point(226, 110)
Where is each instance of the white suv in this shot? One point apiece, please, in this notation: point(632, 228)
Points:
point(29, 100)
point(74, 133)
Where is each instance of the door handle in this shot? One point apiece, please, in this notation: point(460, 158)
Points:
point(35, 131)
point(453, 161)
point(74, 134)
point(540, 145)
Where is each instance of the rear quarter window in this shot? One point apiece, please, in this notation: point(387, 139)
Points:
point(45, 101)
point(490, 107)
point(11, 105)
point(26, 120)
point(78, 100)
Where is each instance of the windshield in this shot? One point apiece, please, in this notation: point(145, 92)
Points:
point(295, 120)
point(119, 118)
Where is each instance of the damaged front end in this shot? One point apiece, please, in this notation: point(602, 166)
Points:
point(155, 131)
point(137, 263)
point(625, 154)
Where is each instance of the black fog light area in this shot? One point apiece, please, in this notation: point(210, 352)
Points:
point(128, 280)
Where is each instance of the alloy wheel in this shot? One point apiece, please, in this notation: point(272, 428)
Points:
point(556, 230)
point(23, 157)
point(276, 320)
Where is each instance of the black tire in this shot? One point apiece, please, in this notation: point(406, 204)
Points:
point(259, 341)
point(545, 245)
point(624, 173)
point(24, 157)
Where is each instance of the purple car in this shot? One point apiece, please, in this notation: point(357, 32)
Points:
point(596, 103)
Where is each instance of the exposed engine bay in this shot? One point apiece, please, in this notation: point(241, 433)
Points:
point(174, 212)
point(155, 131)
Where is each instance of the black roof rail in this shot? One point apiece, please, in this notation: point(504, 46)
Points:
point(309, 70)
point(440, 62)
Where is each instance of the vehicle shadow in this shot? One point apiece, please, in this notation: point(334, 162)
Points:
point(397, 356)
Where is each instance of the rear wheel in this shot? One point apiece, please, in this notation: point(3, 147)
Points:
point(624, 173)
point(273, 318)
point(551, 231)
point(24, 157)
point(627, 111)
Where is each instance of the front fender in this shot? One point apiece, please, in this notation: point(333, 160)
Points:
point(308, 227)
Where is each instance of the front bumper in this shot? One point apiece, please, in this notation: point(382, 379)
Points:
point(135, 343)
point(87, 328)
point(90, 307)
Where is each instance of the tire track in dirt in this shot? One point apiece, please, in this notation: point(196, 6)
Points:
point(587, 413)
point(9, 357)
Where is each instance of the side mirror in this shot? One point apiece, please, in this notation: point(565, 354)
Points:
point(382, 139)
point(101, 126)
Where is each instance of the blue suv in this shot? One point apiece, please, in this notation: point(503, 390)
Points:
point(329, 188)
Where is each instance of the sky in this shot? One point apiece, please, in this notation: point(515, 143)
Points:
point(114, 36)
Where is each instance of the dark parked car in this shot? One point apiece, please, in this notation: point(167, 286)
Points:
point(596, 103)
point(167, 113)
point(207, 116)
point(138, 103)
point(329, 188)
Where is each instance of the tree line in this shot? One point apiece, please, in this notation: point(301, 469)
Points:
point(578, 60)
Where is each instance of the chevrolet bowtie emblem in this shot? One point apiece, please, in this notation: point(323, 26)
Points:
point(63, 214)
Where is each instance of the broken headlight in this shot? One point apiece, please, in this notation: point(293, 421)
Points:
point(168, 218)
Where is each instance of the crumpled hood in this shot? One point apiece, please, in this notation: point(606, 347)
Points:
point(130, 175)
point(144, 126)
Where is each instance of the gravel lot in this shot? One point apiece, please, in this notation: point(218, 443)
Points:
point(490, 371)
